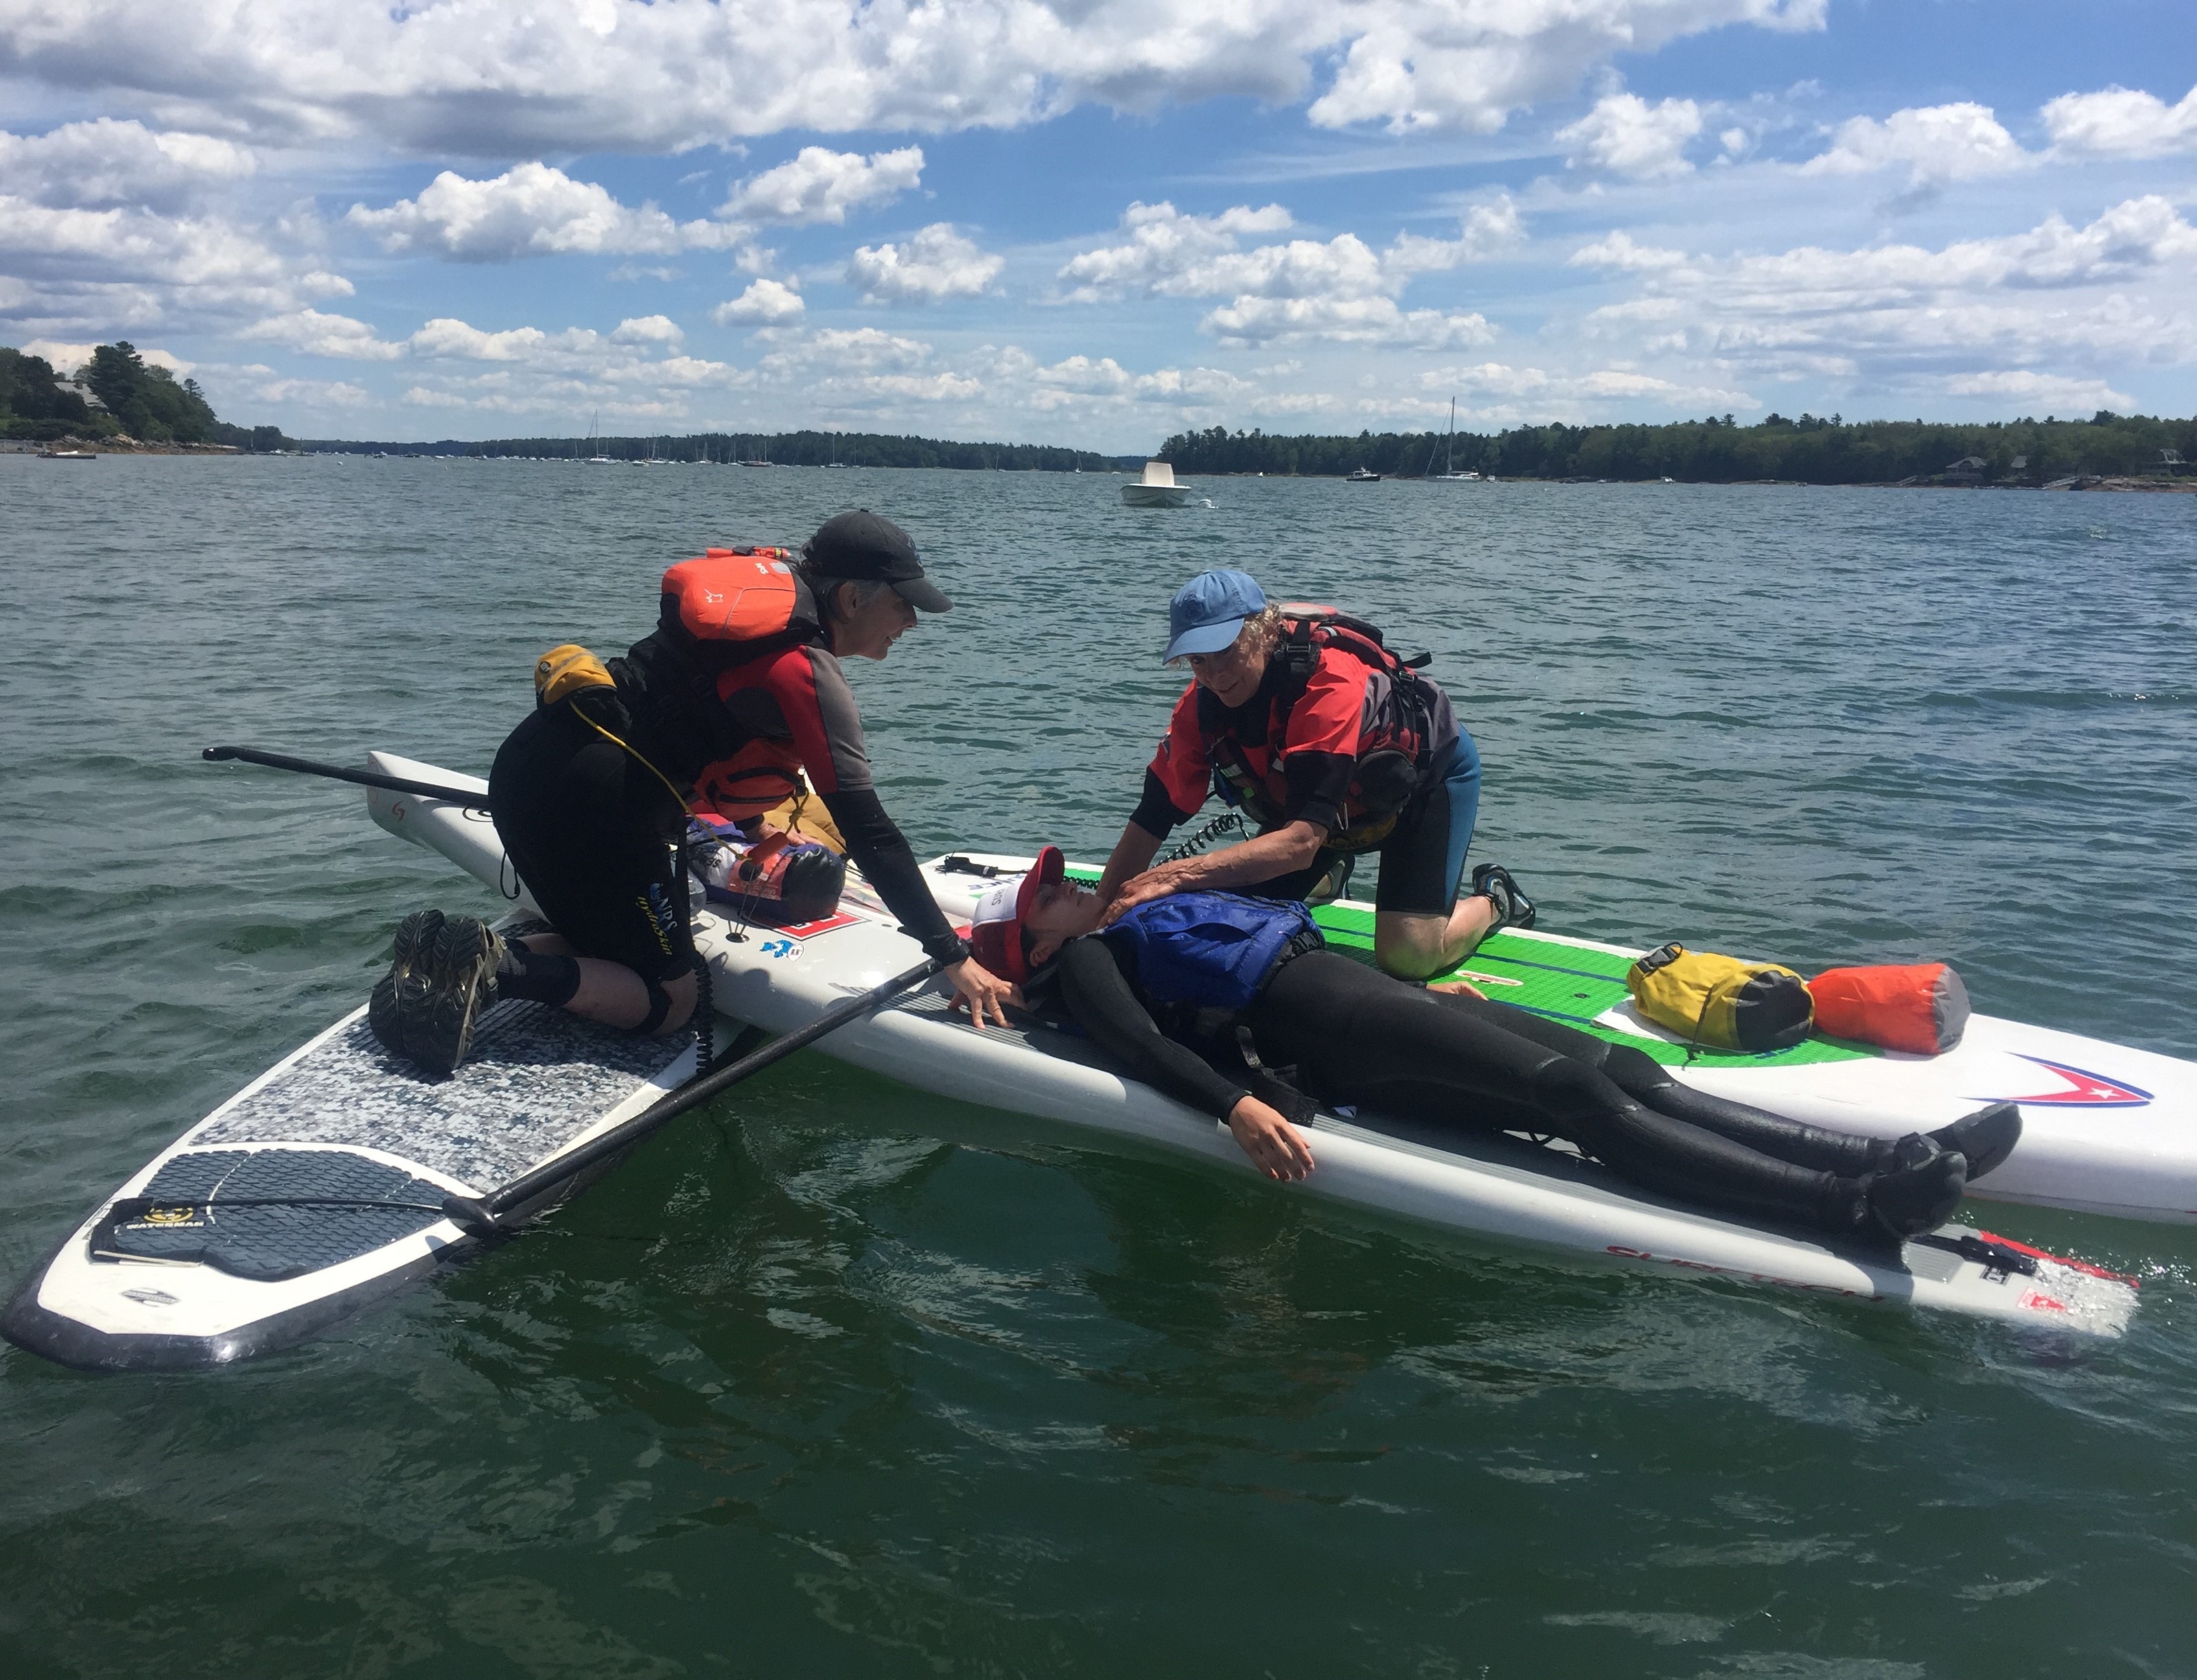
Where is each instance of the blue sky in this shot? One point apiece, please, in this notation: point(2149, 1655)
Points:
point(1098, 223)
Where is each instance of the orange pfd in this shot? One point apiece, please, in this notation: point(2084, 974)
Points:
point(733, 595)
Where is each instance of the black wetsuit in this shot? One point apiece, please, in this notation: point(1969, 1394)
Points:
point(594, 833)
point(1357, 1037)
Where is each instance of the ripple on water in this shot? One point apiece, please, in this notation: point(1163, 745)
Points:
point(837, 1378)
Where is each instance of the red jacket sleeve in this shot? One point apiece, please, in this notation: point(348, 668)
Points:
point(1182, 765)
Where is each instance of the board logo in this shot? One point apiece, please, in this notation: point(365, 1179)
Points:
point(2084, 1090)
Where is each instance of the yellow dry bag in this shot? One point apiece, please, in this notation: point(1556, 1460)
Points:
point(1721, 1003)
point(568, 671)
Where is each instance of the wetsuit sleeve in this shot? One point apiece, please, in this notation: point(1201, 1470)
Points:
point(1181, 771)
point(1320, 752)
point(882, 853)
point(818, 707)
point(1157, 813)
point(1098, 993)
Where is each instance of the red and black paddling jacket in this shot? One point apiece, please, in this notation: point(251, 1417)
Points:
point(1341, 732)
point(737, 693)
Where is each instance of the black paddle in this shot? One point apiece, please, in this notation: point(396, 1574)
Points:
point(482, 1216)
point(282, 761)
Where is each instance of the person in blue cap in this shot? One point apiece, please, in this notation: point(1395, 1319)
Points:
point(1334, 747)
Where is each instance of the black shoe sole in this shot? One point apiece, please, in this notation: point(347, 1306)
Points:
point(409, 953)
point(438, 1020)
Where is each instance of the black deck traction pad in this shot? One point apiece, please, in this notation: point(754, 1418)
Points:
point(267, 1215)
point(536, 1077)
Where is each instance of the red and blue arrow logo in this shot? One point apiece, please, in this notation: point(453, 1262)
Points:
point(2085, 1090)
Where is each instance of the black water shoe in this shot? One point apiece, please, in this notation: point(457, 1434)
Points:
point(386, 1010)
point(1513, 909)
point(1918, 1192)
point(1987, 1136)
point(436, 1019)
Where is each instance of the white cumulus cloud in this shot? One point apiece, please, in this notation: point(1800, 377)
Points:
point(2122, 122)
point(96, 165)
point(2055, 301)
point(1339, 289)
point(1161, 245)
point(572, 77)
point(1625, 134)
point(766, 303)
point(647, 329)
point(1934, 143)
point(532, 210)
point(1345, 321)
point(316, 333)
point(820, 185)
point(936, 263)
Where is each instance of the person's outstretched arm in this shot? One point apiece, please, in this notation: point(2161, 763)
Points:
point(1099, 995)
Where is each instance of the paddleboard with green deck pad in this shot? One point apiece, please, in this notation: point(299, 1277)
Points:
point(2105, 1128)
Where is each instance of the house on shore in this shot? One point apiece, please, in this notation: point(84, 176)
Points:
point(1968, 470)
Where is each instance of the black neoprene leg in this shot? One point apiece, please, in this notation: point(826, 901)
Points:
point(1360, 1037)
point(1647, 1082)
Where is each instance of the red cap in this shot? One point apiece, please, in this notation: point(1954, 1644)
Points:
point(995, 929)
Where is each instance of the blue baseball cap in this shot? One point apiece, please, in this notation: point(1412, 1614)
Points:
point(1207, 612)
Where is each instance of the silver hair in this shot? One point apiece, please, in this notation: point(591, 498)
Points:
point(826, 588)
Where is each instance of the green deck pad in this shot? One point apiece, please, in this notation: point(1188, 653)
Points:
point(1574, 985)
point(1564, 982)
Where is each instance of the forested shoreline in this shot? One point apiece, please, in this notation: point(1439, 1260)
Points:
point(781, 448)
point(120, 396)
point(1807, 450)
point(136, 400)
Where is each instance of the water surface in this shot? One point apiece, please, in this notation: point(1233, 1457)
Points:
point(838, 1378)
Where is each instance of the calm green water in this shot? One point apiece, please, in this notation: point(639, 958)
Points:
point(838, 1379)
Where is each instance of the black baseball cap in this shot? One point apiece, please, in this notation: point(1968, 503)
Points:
point(860, 546)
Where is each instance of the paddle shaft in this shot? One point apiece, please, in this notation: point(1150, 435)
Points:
point(482, 1216)
point(336, 773)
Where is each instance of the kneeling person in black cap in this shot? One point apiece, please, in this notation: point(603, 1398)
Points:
point(737, 693)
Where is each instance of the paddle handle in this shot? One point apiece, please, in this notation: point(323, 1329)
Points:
point(336, 773)
point(482, 1216)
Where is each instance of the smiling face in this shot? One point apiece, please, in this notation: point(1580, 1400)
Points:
point(868, 631)
point(1233, 674)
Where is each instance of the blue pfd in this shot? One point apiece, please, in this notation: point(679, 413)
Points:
point(1212, 950)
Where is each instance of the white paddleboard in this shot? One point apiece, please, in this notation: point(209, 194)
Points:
point(2106, 1129)
point(1499, 1188)
point(316, 1189)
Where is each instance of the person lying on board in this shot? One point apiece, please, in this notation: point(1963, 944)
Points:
point(1443, 1056)
point(739, 690)
point(1302, 718)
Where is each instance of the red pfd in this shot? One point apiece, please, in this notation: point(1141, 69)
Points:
point(1403, 726)
point(731, 594)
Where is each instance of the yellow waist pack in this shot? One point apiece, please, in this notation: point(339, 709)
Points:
point(1720, 1002)
point(568, 671)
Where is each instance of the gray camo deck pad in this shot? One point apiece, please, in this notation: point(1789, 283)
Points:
point(536, 1077)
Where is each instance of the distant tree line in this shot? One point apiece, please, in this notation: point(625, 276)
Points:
point(781, 448)
point(140, 400)
point(1808, 450)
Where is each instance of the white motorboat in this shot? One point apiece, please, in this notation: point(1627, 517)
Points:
point(1156, 487)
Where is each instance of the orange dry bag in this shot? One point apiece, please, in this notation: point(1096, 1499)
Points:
point(1920, 1008)
point(733, 595)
